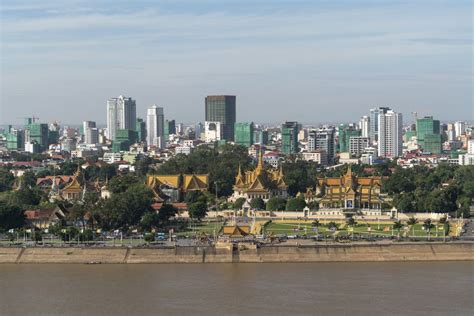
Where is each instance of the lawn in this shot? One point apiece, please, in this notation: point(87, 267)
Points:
point(305, 227)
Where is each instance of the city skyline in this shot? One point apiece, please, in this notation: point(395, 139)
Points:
point(283, 62)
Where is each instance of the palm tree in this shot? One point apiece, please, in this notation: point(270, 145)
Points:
point(398, 225)
point(316, 224)
point(428, 226)
point(412, 222)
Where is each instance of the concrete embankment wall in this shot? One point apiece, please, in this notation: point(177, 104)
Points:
point(244, 253)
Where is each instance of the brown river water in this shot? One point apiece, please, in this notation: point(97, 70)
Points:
point(421, 288)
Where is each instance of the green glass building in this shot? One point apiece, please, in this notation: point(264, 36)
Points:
point(243, 133)
point(426, 129)
point(39, 133)
point(345, 133)
point(123, 139)
point(169, 128)
point(141, 130)
point(289, 138)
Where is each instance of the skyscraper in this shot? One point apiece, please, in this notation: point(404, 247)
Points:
point(289, 138)
point(222, 109)
point(141, 130)
point(121, 114)
point(364, 126)
point(155, 124)
point(390, 143)
point(374, 122)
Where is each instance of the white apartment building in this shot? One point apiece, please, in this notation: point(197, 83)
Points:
point(358, 144)
point(364, 125)
point(155, 124)
point(390, 142)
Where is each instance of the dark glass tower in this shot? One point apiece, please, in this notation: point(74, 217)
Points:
point(221, 108)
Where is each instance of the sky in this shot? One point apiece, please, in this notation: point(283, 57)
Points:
point(309, 61)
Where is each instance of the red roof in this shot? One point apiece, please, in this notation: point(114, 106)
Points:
point(26, 164)
point(179, 206)
point(38, 214)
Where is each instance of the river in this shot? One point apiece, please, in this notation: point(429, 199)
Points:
point(417, 288)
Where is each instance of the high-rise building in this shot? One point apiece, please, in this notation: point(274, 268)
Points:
point(37, 133)
point(212, 131)
point(357, 145)
point(123, 139)
point(345, 132)
point(260, 137)
point(198, 130)
point(459, 128)
point(374, 122)
point(121, 114)
point(323, 140)
point(364, 126)
point(390, 142)
point(170, 128)
point(155, 124)
point(141, 130)
point(91, 133)
point(289, 138)
point(428, 135)
point(244, 134)
point(222, 108)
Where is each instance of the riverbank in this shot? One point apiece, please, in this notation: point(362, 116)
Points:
point(244, 253)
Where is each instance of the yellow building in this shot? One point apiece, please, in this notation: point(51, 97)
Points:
point(259, 183)
point(350, 192)
point(173, 187)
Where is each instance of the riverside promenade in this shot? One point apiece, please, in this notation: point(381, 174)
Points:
point(244, 253)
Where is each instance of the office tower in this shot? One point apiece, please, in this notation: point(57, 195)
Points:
point(244, 134)
point(364, 126)
point(374, 122)
point(141, 130)
point(260, 137)
point(170, 128)
point(289, 138)
point(155, 124)
point(323, 139)
point(390, 142)
point(345, 131)
point(121, 114)
point(198, 130)
point(357, 145)
point(459, 128)
point(222, 109)
point(428, 135)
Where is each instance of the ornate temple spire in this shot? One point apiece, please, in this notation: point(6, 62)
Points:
point(259, 168)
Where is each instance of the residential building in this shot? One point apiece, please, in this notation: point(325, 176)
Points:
point(318, 156)
point(91, 133)
point(459, 128)
point(323, 139)
point(121, 114)
point(364, 126)
point(357, 145)
point(390, 142)
point(374, 122)
point(155, 121)
point(244, 134)
point(260, 137)
point(212, 132)
point(222, 109)
point(289, 138)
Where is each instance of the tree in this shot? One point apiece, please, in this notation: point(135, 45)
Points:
point(166, 212)
point(237, 205)
point(397, 225)
point(197, 210)
point(29, 179)
point(412, 221)
point(351, 222)
point(150, 220)
point(122, 183)
point(299, 176)
point(428, 226)
point(313, 205)
point(276, 204)
point(315, 223)
point(26, 196)
point(333, 225)
point(257, 204)
point(404, 202)
point(11, 216)
point(6, 180)
point(296, 204)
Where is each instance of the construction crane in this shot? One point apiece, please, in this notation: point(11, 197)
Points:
point(33, 118)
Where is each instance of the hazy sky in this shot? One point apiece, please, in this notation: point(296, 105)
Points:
point(309, 61)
